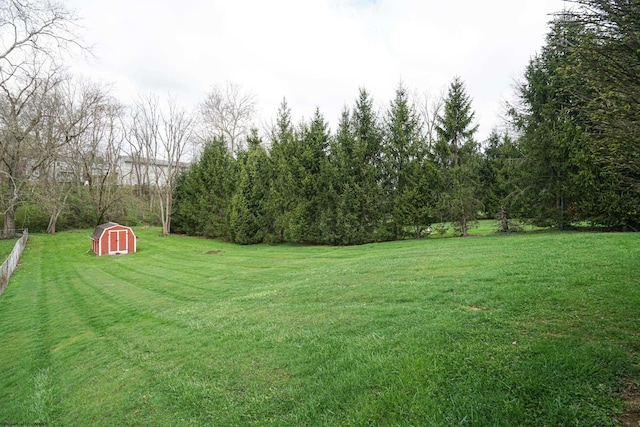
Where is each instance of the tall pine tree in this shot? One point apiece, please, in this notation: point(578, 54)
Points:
point(603, 80)
point(407, 171)
point(248, 209)
point(357, 158)
point(457, 155)
point(552, 139)
point(281, 200)
point(203, 196)
point(501, 166)
point(312, 192)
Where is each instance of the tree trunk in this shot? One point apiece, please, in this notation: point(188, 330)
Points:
point(504, 218)
point(9, 230)
point(168, 207)
point(463, 222)
point(53, 220)
point(165, 214)
point(55, 214)
point(560, 206)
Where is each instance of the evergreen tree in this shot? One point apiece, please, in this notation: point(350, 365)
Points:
point(368, 139)
point(203, 197)
point(602, 77)
point(248, 210)
point(344, 160)
point(579, 123)
point(310, 174)
point(407, 171)
point(457, 155)
point(357, 158)
point(281, 200)
point(499, 171)
point(552, 140)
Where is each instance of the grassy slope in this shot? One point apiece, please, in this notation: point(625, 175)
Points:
point(6, 246)
point(532, 329)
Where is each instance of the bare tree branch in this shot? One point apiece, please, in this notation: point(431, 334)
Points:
point(159, 138)
point(429, 108)
point(34, 36)
point(35, 27)
point(227, 111)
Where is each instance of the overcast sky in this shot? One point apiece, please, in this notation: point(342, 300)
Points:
point(314, 52)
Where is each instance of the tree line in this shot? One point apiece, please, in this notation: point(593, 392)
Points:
point(380, 176)
point(568, 153)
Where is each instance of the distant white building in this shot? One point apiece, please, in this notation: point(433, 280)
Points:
point(129, 171)
point(143, 171)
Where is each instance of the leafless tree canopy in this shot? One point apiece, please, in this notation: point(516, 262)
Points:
point(34, 34)
point(22, 112)
point(31, 29)
point(429, 107)
point(158, 139)
point(227, 111)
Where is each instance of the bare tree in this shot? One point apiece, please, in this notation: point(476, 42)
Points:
point(33, 36)
point(83, 110)
point(163, 136)
point(31, 29)
point(42, 25)
point(106, 137)
point(176, 135)
point(429, 108)
point(81, 134)
point(22, 110)
point(227, 111)
point(50, 191)
point(141, 135)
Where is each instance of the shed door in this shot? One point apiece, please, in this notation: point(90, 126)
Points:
point(118, 241)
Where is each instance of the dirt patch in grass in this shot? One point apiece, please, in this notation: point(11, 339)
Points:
point(631, 397)
point(214, 252)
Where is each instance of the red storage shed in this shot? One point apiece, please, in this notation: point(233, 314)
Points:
point(113, 239)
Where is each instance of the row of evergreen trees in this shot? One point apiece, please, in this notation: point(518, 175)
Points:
point(573, 155)
point(379, 177)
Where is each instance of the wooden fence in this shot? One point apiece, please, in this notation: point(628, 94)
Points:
point(9, 266)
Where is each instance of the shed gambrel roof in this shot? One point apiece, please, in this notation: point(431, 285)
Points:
point(100, 229)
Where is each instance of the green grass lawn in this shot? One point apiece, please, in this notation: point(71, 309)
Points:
point(6, 246)
point(525, 329)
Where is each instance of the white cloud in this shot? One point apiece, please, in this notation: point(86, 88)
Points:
point(314, 52)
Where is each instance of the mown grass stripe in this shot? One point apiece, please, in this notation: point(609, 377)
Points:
point(411, 332)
